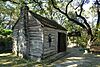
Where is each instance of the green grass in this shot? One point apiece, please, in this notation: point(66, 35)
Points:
point(9, 60)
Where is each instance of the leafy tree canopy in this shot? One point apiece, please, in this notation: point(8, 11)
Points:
point(82, 15)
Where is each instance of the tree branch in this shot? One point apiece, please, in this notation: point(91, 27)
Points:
point(97, 2)
point(89, 31)
point(98, 12)
point(81, 7)
point(87, 25)
point(75, 21)
point(98, 21)
point(57, 8)
point(39, 3)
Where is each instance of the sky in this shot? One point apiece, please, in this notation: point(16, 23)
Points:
point(88, 5)
point(9, 4)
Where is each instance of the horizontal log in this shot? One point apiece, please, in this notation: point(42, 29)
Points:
point(36, 42)
point(35, 26)
point(32, 32)
point(48, 49)
point(48, 55)
point(36, 38)
point(29, 30)
point(30, 25)
point(32, 35)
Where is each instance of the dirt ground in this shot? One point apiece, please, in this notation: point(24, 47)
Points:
point(75, 58)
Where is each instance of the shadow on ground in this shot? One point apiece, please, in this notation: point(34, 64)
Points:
point(9, 60)
point(75, 58)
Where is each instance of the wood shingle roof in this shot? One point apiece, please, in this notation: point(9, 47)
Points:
point(44, 21)
point(47, 22)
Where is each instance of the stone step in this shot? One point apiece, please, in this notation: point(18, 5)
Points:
point(48, 55)
point(54, 57)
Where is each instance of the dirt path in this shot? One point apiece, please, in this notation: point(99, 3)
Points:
point(76, 58)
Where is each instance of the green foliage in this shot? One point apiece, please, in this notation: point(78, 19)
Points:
point(82, 41)
point(5, 36)
point(6, 32)
point(97, 42)
point(48, 11)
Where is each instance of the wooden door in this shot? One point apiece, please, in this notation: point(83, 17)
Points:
point(61, 42)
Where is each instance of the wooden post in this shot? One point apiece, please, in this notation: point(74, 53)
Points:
point(26, 30)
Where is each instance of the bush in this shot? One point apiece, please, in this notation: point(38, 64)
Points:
point(6, 32)
point(6, 44)
point(5, 40)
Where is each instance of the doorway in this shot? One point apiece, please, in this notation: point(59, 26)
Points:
point(61, 42)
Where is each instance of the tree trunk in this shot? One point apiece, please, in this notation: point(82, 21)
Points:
point(89, 44)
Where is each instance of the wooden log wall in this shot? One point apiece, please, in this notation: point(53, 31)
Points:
point(50, 49)
point(19, 47)
point(36, 38)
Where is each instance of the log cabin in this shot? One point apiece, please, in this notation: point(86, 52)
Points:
point(36, 37)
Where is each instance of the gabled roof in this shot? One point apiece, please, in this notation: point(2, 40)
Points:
point(15, 23)
point(45, 21)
